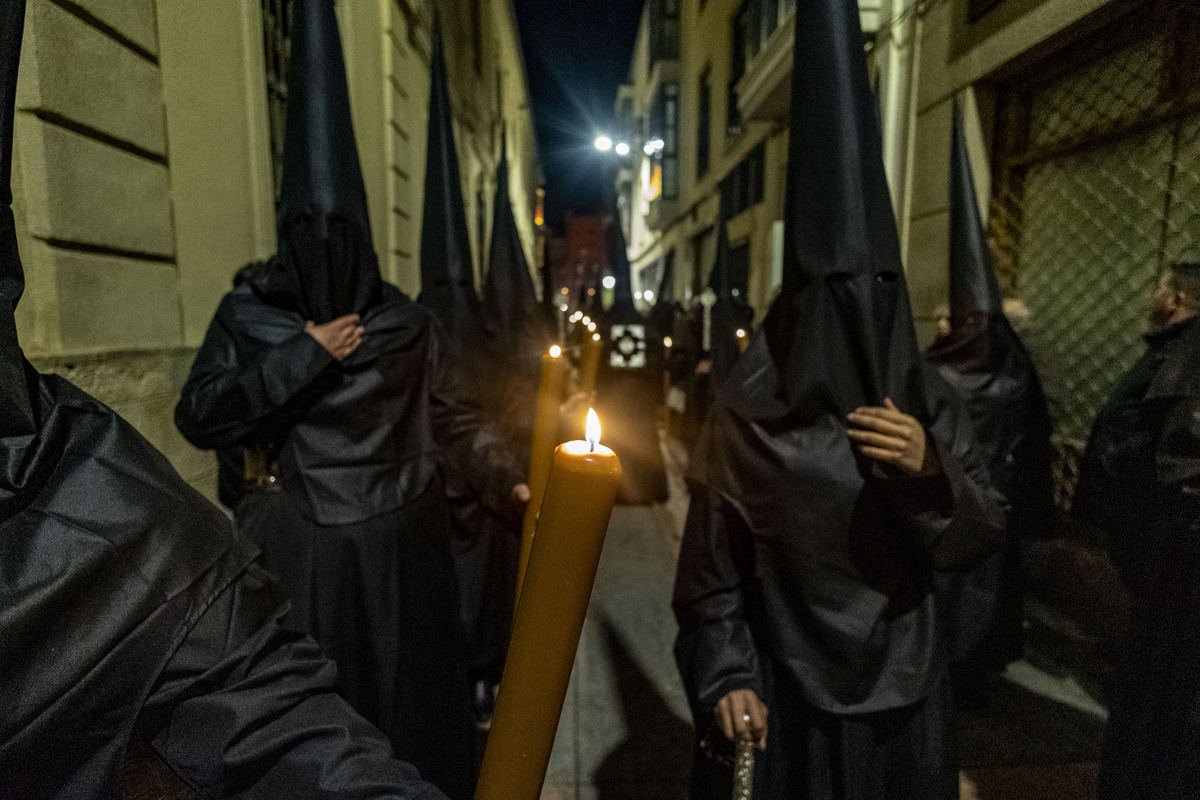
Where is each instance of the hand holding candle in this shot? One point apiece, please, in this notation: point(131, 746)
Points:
point(574, 516)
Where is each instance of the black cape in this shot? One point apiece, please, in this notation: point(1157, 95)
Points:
point(812, 584)
point(1140, 484)
point(131, 609)
point(358, 526)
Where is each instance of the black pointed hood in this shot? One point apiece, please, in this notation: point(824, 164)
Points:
point(981, 337)
point(509, 300)
point(447, 278)
point(623, 308)
point(16, 413)
point(840, 334)
point(326, 259)
point(728, 312)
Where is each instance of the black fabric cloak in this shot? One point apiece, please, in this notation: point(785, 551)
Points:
point(1140, 484)
point(129, 608)
point(989, 367)
point(807, 570)
point(629, 386)
point(358, 529)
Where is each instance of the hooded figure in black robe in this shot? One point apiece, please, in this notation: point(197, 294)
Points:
point(989, 367)
point(629, 385)
point(1139, 484)
point(346, 439)
point(131, 611)
point(833, 477)
point(484, 526)
point(490, 543)
point(720, 345)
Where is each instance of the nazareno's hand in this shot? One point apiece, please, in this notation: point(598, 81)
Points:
point(741, 715)
point(892, 437)
point(340, 337)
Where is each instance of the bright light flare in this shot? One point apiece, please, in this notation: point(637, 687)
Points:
point(622, 149)
point(667, 342)
point(609, 282)
point(555, 351)
point(595, 337)
point(741, 333)
point(604, 144)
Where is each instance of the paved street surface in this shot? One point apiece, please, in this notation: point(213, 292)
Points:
point(626, 731)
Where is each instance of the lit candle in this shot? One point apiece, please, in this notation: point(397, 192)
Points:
point(742, 339)
point(574, 517)
point(541, 452)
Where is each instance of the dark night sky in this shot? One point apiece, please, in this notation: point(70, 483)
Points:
point(576, 54)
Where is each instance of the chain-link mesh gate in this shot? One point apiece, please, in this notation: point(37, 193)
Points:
point(1098, 188)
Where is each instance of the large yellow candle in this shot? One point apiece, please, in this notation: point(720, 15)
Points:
point(554, 598)
point(541, 452)
point(589, 363)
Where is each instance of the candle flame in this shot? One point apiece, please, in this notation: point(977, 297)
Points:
point(555, 351)
point(587, 320)
point(741, 333)
point(667, 341)
point(595, 337)
point(593, 428)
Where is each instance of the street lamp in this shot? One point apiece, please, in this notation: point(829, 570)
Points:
point(604, 143)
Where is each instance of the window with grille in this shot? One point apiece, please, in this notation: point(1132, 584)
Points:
point(1097, 188)
point(277, 19)
point(664, 30)
point(664, 124)
point(703, 124)
point(738, 60)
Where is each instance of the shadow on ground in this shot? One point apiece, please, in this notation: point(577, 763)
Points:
point(654, 759)
point(1017, 726)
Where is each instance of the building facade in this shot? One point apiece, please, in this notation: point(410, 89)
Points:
point(148, 138)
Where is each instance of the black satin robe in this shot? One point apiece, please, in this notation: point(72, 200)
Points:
point(1140, 484)
point(128, 607)
point(806, 575)
point(995, 376)
point(359, 529)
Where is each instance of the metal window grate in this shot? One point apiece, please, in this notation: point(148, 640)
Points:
point(1097, 189)
point(277, 40)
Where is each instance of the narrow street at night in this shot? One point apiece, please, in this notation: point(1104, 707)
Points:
point(626, 732)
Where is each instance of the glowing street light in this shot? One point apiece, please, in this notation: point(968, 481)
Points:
point(622, 149)
point(604, 144)
point(609, 282)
